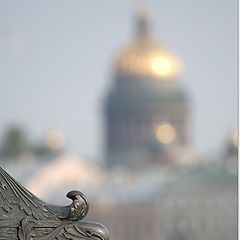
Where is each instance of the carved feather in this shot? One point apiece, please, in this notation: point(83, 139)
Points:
point(17, 201)
point(73, 231)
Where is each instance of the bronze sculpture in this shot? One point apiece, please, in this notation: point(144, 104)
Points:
point(23, 216)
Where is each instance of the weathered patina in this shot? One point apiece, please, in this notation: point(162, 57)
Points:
point(23, 216)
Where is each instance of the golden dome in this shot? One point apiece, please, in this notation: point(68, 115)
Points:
point(146, 57)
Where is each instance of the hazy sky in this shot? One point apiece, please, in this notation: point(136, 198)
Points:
point(56, 58)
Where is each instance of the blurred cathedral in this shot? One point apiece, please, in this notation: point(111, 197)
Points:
point(147, 121)
point(146, 111)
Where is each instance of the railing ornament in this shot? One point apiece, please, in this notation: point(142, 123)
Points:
point(23, 216)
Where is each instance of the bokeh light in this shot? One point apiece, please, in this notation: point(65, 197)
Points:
point(235, 139)
point(161, 66)
point(165, 133)
point(55, 139)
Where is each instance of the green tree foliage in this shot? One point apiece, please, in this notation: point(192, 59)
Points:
point(14, 143)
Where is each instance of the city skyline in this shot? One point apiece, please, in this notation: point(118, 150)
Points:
point(57, 64)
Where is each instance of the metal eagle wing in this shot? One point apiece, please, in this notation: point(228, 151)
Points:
point(16, 201)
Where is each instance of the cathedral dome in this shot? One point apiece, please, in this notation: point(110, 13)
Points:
point(144, 56)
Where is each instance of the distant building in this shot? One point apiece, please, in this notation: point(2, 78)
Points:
point(198, 204)
point(147, 111)
point(230, 154)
